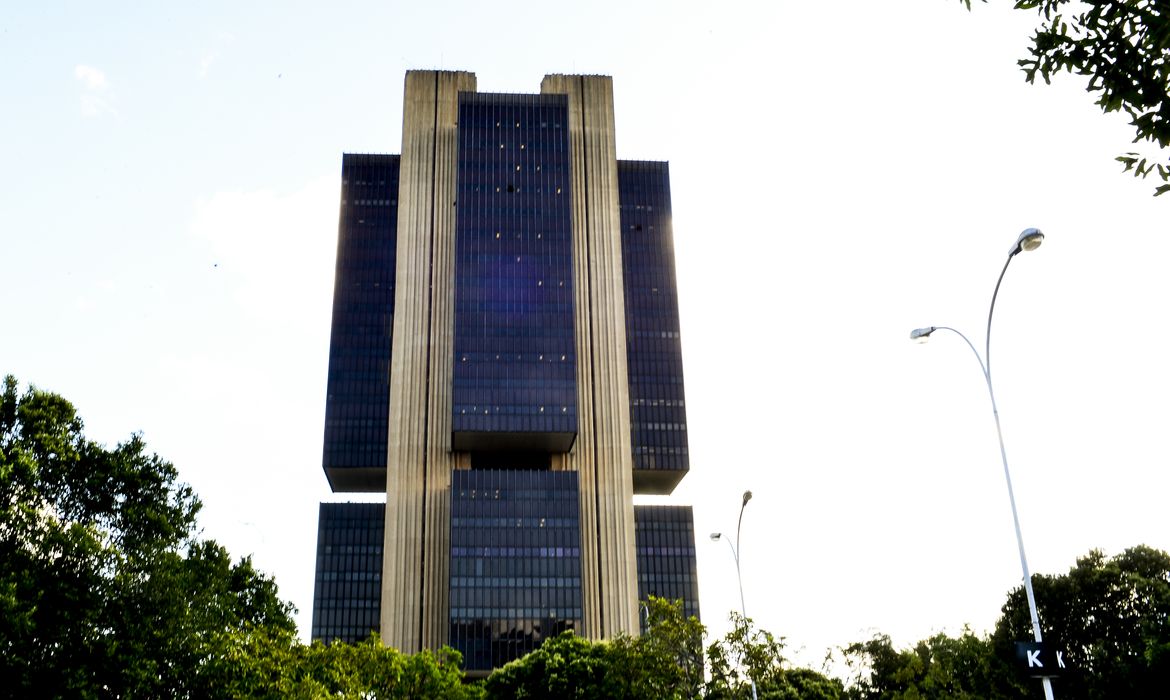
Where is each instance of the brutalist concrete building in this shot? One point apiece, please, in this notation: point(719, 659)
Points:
point(505, 365)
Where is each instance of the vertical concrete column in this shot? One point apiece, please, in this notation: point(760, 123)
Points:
point(440, 460)
point(581, 458)
point(602, 453)
point(418, 464)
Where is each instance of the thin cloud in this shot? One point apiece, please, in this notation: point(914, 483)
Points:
point(94, 86)
point(206, 61)
point(211, 55)
point(93, 78)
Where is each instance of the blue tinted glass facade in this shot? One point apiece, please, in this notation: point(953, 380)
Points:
point(664, 539)
point(515, 562)
point(514, 381)
point(658, 414)
point(347, 595)
point(358, 399)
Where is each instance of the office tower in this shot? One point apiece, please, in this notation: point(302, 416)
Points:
point(349, 570)
point(665, 542)
point(505, 364)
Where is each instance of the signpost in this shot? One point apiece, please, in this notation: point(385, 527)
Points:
point(1040, 660)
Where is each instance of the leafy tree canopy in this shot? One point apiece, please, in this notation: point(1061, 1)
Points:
point(1110, 617)
point(103, 589)
point(672, 648)
point(962, 667)
point(263, 662)
point(748, 654)
point(1122, 46)
point(664, 663)
point(106, 592)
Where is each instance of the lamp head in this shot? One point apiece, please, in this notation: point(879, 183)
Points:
point(1030, 239)
point(921, 335)
point(715, 536)
point(747, 496)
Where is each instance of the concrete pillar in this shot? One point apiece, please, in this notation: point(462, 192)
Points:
point(419, 459)
point(602, 454)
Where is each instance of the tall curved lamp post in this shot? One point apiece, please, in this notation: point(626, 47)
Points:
point(1030, 239)
point(715, 537)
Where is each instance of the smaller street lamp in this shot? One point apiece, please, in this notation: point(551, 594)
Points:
point(715, 537)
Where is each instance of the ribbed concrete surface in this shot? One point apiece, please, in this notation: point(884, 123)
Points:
point(419, 458)
point(602, 453)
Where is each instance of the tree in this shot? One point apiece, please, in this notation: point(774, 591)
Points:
point(104, 590)
point(665, 663)
point(260, 662)
point(744, 655)
point(1122, 47)
point(565, 666)
point(747, 654)
point(962, 667)
point(1110, 616)
point(672, 648)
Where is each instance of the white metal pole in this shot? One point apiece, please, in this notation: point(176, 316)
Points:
point(985, 366)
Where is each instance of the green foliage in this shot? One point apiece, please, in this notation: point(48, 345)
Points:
point(1122, 47)
point(746, 654)
point(565, 666)
point(106, 592)
point(262, 662)
point(961, 667)
point(672, 649)
point(807, 684)
point(103, 590)
point(666, 663)
point(1111, 616)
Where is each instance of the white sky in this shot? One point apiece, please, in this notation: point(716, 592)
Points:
point(841, 173)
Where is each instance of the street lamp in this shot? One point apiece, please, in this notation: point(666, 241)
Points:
point(715, 537)
point(1030, 239)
